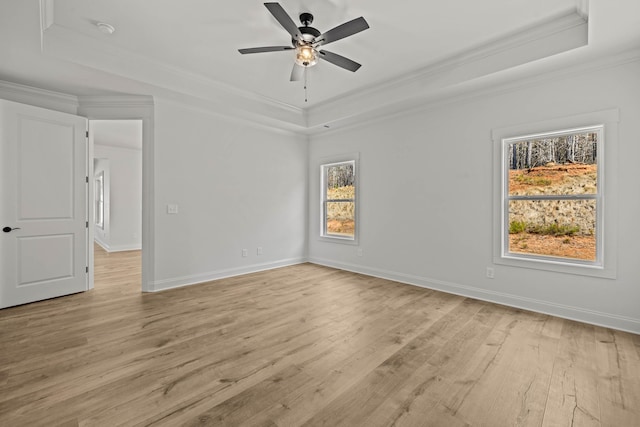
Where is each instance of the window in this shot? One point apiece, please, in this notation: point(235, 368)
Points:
point(99, 200)
point(338, 192)
point(552, 199)
point(556, 194)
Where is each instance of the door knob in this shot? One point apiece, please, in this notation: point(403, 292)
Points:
point(9, 229)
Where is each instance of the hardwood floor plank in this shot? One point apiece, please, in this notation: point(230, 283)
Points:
point(348, 364)
point(618, 367)
point(520, 397)
point(573, 396)
point(304, 345)
point(358, 402)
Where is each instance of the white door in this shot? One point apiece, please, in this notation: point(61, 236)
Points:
point(43, 210)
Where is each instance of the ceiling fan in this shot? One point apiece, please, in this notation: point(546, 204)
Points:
point(308, 41)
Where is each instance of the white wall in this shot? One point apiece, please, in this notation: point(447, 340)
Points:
point(239, 186)
point(426, 198)
point(124, 228)
point(236, 186)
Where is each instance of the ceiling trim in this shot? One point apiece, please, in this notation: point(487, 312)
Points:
point(464, 94)
point(46, 19)
point(255, 122)
point(71, 46)
point(582, 7)
point(116, 101)
point(560, 34)
point(38, 97)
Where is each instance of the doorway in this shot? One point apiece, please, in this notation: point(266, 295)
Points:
point(117, 203)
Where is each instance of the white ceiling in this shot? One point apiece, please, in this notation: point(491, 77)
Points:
point(188, 48)
point(203, 36)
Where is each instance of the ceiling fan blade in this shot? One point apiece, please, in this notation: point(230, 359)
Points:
point(339, 60)
point(284, 19)
point(264, 49)
point(345, 30)
point(297, 73)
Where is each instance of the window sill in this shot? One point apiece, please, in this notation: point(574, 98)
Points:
point(559, 266)
point(340, 240)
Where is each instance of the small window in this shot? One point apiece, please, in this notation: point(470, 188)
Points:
point(552, 197)
point(339, 200)
point(99, 200)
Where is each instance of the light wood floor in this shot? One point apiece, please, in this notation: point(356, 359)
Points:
point(305, 345)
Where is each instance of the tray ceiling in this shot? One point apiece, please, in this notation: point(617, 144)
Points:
point(414, 50)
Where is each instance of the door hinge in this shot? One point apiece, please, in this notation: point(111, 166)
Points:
point(87, 179)
point(87, 134)
point(87, 269)
point(87, 224)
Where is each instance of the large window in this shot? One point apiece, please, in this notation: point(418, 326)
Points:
point(552, 197)
point(339, 200)
point(556, 194)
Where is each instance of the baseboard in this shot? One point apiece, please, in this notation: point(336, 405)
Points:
point(102, 244)
point(117, 248)
point(178, 282)
point(607, 320)
point(124, 248)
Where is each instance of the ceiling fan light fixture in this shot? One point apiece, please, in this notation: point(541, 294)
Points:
point(306, 55)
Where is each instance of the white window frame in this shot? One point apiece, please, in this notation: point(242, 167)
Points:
point(605, 122)
point(597, 197)
point(324, 164)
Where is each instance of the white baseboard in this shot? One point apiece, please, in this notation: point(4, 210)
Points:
point(178, 282)
point(607, 320)
point(100, 243)
point(124, 248)
point(118, 248)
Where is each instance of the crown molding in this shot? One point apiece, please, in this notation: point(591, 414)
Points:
point(252, 121)
point(38, 97)
point(114, 101)
point(582, 8)
point(560, 34)
point(483, 89)
point(116, 107)
point(569, 21)
point(64, 44)
point(46, 19)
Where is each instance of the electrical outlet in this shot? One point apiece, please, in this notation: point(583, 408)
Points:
point(172, 209)
point(259, 250)
point(490, 273)
point(245, 253)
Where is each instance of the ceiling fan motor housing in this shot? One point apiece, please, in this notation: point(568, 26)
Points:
point(309, 34)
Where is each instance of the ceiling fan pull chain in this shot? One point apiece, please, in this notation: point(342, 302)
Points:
point(305, 84)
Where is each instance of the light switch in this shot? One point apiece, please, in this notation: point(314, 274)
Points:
point(172, 209)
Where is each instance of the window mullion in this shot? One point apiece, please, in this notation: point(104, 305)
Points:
point(555, 197)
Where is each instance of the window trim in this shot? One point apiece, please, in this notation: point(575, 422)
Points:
point(606, 230)
point(322, 165)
